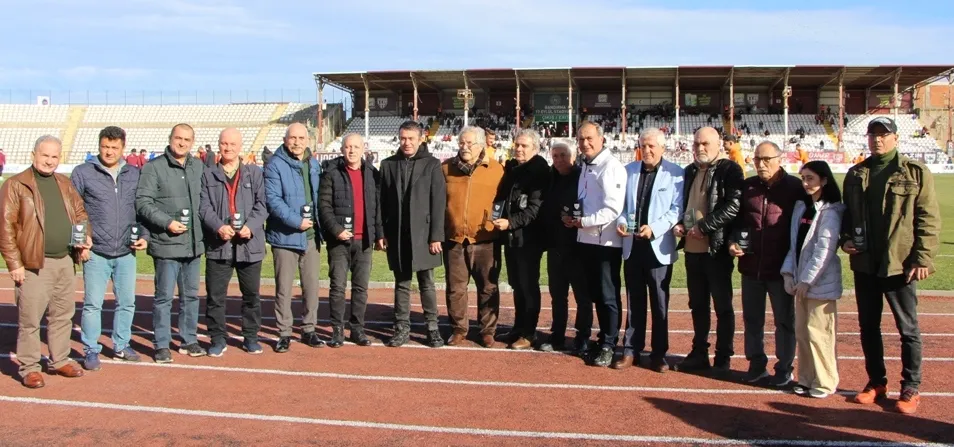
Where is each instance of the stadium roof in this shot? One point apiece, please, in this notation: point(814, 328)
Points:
point(608, 78)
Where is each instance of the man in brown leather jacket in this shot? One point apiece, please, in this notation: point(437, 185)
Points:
point(41, 210)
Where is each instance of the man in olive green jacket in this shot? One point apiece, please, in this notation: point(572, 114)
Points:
point(891, 230)
point(167, 201)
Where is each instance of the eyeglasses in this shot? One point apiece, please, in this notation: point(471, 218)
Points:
point(764, 159)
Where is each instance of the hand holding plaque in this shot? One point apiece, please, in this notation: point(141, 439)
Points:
point(134, 234)
point(497, 211)
point(743, 238)
point(238, 221)
point(185, 217)
point(78, 237)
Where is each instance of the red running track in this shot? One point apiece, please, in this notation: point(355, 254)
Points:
point(458, 396)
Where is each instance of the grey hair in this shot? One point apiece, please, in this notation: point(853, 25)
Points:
point(531, 134)
point(653, 132)
point(47, 139)
point(599, 129)
point(349, 135)
point(778, 151)
point(479, 138)
point(564, 144)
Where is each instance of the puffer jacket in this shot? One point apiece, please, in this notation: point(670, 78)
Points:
point(766, 213)
point(818, 264)
point(110, 204)
point(336, 202)
point(166, 188)
point(524, 187)
point(724, 185)
point(22, 212)
point(214, 212)
point(285, 195)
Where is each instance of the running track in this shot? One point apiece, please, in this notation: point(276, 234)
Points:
point(457, 396)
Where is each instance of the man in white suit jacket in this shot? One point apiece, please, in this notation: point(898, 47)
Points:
point(653, 206)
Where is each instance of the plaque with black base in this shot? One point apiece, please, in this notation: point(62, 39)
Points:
point(743, 238)
point(348, 225)
point(577, 210)
point(307, 212)
point(134, 234)
point(498, 209)
point(185, 217)
point(238, 221)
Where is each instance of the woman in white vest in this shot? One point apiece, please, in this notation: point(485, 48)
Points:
point(812, 273)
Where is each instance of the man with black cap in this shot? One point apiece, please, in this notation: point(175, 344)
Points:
point(891, 230)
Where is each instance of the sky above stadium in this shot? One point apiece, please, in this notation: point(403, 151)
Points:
point(230, 44)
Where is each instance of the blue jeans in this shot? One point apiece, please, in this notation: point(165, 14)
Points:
point(96, 274)
point(183, 272)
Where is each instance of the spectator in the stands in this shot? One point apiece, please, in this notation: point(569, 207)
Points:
point(142, 157)
point(89, 156)
point(266, 155)
point(133, 159)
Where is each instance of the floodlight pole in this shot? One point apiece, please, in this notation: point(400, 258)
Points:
point(950, 89)
point(897, 96)
point(786, 93)
point(732, 103)
point(466, 97)
point(841, 110)
point(367, 99)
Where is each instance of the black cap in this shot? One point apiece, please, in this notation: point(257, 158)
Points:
point(884, 121)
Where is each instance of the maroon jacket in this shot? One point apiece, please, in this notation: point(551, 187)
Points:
point(766, 213)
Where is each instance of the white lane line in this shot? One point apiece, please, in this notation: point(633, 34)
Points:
point(477, 383)
point(642, 439)
point(768, 333)
point(205, 336)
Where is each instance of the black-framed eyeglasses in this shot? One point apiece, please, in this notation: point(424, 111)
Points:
point(764, 159)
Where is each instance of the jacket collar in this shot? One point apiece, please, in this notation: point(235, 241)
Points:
point(219, 173)
point(170, 158)
point(282, 154)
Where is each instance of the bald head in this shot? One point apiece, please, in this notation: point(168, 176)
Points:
point(230, 146)
point(296, 140)
point(706, 145)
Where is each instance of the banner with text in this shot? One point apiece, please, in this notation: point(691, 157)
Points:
point(552, 106)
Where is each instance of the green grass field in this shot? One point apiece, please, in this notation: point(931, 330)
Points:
point(942, 280)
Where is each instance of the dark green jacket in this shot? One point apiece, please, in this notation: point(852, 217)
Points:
point(165, 188)
point(911, 216)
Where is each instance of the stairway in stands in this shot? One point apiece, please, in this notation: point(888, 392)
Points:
point(832, 135)
point(73, 121)
point(273, 122)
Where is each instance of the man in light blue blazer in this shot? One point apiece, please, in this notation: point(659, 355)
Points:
point(653, 206)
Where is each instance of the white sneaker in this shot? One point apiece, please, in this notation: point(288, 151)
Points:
point(800, 390)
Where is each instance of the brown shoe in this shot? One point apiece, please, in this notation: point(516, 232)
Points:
point(69, 370)
point(33, 380)
point(624, 362)
point(456, 339)
point(909, 401)
point(487, 340)
point(510, 337)
point(521, 344)
point(870, 394)
point(658, 365)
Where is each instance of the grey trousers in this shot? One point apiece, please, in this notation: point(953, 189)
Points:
point(753, 314)
point(306, 263)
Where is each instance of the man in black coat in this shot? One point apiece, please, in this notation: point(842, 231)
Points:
point(413, 200)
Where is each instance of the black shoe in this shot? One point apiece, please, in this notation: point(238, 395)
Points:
point(434, 339)
point(283, 344)
point(359, 338)
point(695, 361)
point(658, 364)
point(311, 339)
point(722, 364)
point(400, 338)
point(337, 337)
point(604, 358)
point(581, 347)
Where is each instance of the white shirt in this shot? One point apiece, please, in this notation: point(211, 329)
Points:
point(602, 193)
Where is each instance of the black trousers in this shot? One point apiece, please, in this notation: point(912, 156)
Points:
point(217, 277)
point(563, 272)
point(343, 258)
point(711, 277)
point(647, 274)
point(871, 292)
point(523, 273)
point(601, 267)
point(402, 298)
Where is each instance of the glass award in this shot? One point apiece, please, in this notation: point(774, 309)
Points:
point(743, 238)
point(689, 219)
point(238, 221)
point(631, 222)
point(307, 212)
point(859, 233)
point(134, 234)
point(185, 217)
point(348, 225)
point(79, 234)
point(498, 210)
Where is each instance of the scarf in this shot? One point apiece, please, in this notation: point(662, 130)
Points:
point(468, 169)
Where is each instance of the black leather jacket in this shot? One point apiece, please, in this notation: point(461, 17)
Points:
point(724, 184)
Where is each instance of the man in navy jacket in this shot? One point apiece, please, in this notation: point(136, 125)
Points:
point(108, 186)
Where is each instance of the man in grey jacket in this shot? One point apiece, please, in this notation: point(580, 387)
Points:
point(167, 201)
point(233, 213)
point(108, 185)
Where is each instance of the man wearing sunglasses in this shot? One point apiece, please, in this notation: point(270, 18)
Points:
point(760, 240)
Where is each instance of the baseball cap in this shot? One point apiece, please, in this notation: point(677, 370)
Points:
point(884, 121)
